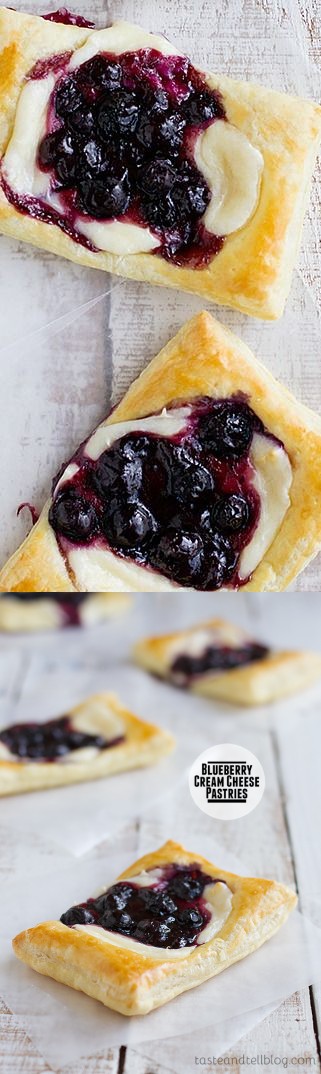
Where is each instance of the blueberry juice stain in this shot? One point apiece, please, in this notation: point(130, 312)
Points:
point(119, 146)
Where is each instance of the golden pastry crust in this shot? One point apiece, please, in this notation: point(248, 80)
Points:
point(203, 359)
point(134, 984)
point(144, 744)
point(47, 614)
point(275, 676)
point(253, 270)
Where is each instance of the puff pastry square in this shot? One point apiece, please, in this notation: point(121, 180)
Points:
point(249, 912)
point(246, 673)
point(20, 614)
point(257, 166)
point(272, 450)
point(130, 743)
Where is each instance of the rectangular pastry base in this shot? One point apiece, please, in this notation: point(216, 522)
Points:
point(277, 675)
point(136, 984)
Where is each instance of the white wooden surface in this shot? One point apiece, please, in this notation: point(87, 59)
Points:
point(57, 382)
point(281, 839)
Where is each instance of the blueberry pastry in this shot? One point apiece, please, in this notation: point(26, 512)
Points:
point(119, 154)
point(170, 922)
point(24, 612)
point(206, 476)
point(97, 738)
point(219, 659)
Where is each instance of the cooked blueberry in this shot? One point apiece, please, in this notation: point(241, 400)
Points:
point(159, 904)
point(130, 526)
point(231, 513)
point(105, 197)
point(228, 429)
point(145, 132)
point(190, 480)
point(108, 920)
point(125, 923)
point(99, 74)
point(77, 915)
point(152, 932)
point(68, 99)
point(190, 919)
point(94, 155)
point(47, 152)
point(186, 887)
point(180, 554)
point(72, 516)
point(65, 164)
point(221, 562)
point(202, 107)
point(118, 113)
point(155, 102)
point(171, 131)
point(158, 177)
point(119, 895)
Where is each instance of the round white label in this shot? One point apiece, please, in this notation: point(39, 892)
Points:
point(226, 781)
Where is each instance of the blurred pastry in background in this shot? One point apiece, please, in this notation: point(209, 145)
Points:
point(22, 612)
point(218, 659)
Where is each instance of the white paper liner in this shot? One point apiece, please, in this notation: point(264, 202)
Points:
point(288, 962)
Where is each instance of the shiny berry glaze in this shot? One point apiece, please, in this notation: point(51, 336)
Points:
point(214, 658)
point(170, 914)
point(119, 145)
point(184, 506)
point(70, 606)
point(51, 740)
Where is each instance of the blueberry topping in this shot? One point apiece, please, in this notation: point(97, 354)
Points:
point(49, 741)
point(228, 430)
point(77, 915)
point(215, 658)
point(231, 514)
point(73, 517)
point(183, 505)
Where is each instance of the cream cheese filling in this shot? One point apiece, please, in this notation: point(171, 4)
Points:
point(218, 901)
point(231, 166)
point(94, 717)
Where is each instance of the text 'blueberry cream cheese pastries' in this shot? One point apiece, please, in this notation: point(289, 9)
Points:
point(169, 923)
point(119, 154)
point(97, 738)
point(219, 659)
point(24, 612)
point(206, 476)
